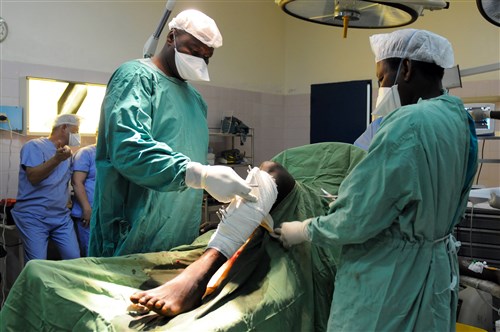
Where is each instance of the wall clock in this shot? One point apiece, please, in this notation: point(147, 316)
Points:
point(3, 30)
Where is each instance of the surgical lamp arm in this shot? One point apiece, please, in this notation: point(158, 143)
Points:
point(479, 115)
point(480, 69)
point(151, 44)
point(495, 115)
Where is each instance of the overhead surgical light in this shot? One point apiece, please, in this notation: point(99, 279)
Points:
point(363, 14)
point(490, 10)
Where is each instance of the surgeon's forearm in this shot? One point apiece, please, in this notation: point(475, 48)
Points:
point(81, 197)
point(39, 173)
point(78, 181)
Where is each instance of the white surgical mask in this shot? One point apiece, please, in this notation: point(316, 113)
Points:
point(388, 100)
point(191, 67)
point(74, 139)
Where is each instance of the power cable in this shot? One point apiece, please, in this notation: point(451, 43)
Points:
point(4, 218)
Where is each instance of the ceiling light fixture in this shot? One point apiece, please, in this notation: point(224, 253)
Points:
point(490, 10)
point(362, 14)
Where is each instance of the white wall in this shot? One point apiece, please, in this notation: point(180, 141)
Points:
point(261, 74)
point(264, 49)
point(100, 35)
point(318, 54)
point(262, 111)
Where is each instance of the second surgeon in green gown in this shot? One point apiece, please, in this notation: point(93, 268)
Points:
point(396, 210)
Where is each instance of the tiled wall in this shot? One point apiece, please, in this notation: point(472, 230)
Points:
point(279, 121)
point(276, 119)
point(10, 146)
point(488, 174)
point(263, 112)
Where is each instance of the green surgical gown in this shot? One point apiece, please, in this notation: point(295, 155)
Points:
point(398, 269)
point(151, 126)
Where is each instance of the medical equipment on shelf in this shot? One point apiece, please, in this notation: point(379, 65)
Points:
point(150, 46)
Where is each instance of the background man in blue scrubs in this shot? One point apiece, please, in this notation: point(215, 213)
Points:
point(41, 211)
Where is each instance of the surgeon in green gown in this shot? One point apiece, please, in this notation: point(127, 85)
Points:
point(153, 142)
point(396, 210)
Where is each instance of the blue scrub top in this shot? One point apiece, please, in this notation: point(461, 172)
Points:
point(49, 198)
point(366, 138)
point(84, 161)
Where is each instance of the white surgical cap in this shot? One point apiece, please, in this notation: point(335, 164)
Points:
point(68, 119)
point(420, 45)
point(199, 25)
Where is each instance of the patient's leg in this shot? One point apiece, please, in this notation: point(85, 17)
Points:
point(184, 292)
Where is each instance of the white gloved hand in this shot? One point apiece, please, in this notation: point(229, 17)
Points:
point(222, 182)
point(293, 232)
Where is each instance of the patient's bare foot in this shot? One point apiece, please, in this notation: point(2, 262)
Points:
point(176, 296)
point(184, 292)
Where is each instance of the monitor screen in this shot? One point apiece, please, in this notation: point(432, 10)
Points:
point(485, 126)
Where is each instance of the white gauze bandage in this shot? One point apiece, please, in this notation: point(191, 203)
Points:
point(243, 217)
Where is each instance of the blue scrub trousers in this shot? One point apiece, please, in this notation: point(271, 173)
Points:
point(36, 230)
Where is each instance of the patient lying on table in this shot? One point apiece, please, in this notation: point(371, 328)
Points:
point(241, 219)
point(266, 288)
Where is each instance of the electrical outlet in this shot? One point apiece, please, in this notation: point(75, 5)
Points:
point(3, 117)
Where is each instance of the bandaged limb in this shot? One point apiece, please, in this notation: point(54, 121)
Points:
point(243, 217)
point(186, 290)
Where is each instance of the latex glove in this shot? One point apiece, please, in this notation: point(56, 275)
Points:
point(221, 182)
point(293, 232)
